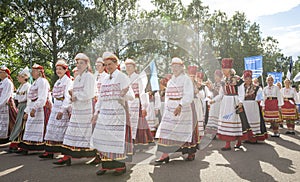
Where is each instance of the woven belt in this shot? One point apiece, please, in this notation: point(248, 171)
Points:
point(272, 98)
point(60, 98)
point(175, 98)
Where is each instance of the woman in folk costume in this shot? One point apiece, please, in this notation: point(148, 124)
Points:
point(153, 110)
point(230, 126)
point(178, 131)
point(162, 92)
point(59, 117)
point(215, 101)
point(252, 110)
point(76, 142)
point(138, 107)
point(112, 133)
point(289, 108)
point(202, 93)
point(75, 73)
point(100, 74)
point(259, 94)
point(8, 110)
point(271, 105)
point(36, 112)
point(21, 98)
point(198, 97)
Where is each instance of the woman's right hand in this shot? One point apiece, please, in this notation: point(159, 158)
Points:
point(25, 117)
point(94, 119)
point(59, 115)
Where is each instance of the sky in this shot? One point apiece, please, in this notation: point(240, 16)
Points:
point(277, 18)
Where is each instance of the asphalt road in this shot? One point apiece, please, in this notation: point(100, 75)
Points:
point(276, 159)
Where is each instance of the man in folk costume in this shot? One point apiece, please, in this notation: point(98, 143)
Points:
point(76, 142)
point(289, 108)
point(271, 105)
point(230, 126)
point(8, 110)
point(21, 99)
point(215, 101)
point(37, 112)
point(59, 117)
point(252, 110)
point(112, 134)
point(138, 107)
point(178, 130)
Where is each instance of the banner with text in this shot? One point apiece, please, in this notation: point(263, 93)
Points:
point(254, 63)
point(277, 76)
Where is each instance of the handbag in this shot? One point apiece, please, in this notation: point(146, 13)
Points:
point(238, 109)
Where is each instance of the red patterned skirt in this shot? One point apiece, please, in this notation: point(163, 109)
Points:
point(272, 111)
point(289, 110)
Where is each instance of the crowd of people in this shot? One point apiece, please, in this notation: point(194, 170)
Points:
point(108, 115)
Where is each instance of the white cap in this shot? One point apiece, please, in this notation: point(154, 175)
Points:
point(99, 60)
point(37, 66)
point(82, 56)
point(109, 55)
point(25, 72)
point(62, 63)
point(176, 60)
point(4, 68)
point(129, 61)
point(75, 69)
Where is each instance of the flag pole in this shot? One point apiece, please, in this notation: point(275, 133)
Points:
point(143, 70)
point(262, 81)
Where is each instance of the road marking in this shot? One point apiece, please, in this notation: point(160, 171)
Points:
point(7, 171)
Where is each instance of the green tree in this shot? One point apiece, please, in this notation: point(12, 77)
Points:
point(58, 28)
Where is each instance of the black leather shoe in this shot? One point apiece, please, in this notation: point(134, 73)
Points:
point(46, 156)
point(119, 172)
point(275, 135)
point(101, 172)
point(21, 151)
point(166, 160)
point(96, 160)
point(237, 146)
point(225, 148)
point(292, 133)
point(62, 162)
point(287, 132)
point(190, 157)
point(11, 150)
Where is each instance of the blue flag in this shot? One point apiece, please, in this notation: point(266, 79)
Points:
point(277, 76)
point(153, 77)
point(254, 63)
point(289, 72)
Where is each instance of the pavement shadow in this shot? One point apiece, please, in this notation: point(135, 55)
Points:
point(247, 164)
point(180, 170)
point(283, 141)
point(286, 143)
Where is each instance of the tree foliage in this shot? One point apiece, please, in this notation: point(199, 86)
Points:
point(42, 31)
